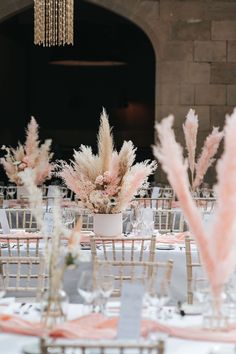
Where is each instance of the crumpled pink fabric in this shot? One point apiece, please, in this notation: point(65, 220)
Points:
point(178, 237)
point(93, 326)
point(96, 326)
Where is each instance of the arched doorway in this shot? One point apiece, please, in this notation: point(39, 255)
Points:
point(76, 95)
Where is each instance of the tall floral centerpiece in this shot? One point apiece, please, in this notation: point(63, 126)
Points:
point(31, 155)
point(106, 182)
point(217, 243)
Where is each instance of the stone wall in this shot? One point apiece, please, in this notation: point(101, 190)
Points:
point(195, 46)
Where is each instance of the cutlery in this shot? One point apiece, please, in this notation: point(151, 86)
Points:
point(20, 307)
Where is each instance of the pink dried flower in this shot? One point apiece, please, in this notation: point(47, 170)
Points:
point(110, 174)
point(99, 180)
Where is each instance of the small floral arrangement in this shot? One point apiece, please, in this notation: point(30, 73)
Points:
point(30, 155)
point(107, 182)
point(58, 256)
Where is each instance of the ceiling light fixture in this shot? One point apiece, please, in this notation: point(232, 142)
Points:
point(53, 22)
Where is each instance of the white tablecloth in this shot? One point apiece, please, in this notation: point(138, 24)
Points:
point(13, 344)
point(178, 282)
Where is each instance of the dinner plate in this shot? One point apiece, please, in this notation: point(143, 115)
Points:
point(120, 248)
point(165, 246)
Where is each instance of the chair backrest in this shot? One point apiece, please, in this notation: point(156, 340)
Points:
point(87, 219)
point(206, 204)
point(21, 219)
point(101, 347)
point(24, 274)
point(154, 203)
point(128, 271)
point(191, 265)
point(169, 221)
point(123, 249)
point(20, 245)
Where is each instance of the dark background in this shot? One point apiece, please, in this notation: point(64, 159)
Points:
point(67, 101)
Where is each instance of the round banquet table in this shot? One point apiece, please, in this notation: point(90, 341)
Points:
point(13, 344)
point(178, 281)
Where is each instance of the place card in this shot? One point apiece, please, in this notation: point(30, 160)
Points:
point(129, 325)
point(48, 222)
point(4, 222)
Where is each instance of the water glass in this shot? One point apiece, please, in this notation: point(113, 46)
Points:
point(157, 295)
point(105, 283)
point(87, 289)
point(2, 286)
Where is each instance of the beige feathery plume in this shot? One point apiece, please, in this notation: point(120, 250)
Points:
point(32, 142)
point(190, 128)
point(105, 142)
point(86, 163)
point(126, 157)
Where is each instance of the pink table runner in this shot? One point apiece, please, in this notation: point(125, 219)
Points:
point(97, 326)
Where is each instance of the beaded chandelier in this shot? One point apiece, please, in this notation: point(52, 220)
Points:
point(53, 22)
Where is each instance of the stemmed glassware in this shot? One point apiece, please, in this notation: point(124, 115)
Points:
point(68, 216)
point(157, 294)
point(11, 191)
point(87, 289)
point(105, 282)
point(135, 219)
point(2, 286)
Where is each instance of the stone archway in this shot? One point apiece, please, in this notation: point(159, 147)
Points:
point(132, 10)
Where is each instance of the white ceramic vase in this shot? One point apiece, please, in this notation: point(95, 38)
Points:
point(107, 225)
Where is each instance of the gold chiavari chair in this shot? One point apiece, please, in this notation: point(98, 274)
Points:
point(131, 249)
point(49, 345)
point(20, 245)
point(128, 271)
point(21, 219)
point(24, 274)
point(87, 219)
point(169, 221)
point(206, 204)
point(192, 263)
point(154, 203)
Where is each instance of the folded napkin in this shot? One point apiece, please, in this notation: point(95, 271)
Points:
point(93, 326)
point(96, 326)
point(178, 237)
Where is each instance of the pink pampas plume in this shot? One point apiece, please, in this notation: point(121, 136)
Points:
point(190, 128)
point(170, 154)
point(223, 233)
point(217, 246)
point(205, 159)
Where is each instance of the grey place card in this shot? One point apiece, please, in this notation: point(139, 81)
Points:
point(4, 222)
point(48, 222)
point(129, 325)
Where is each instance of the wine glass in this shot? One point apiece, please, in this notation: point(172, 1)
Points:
point(11, 191)
point(105, 281)
point(68, 216)
point(157, 294)
point(87, 289)
point(2, 286)
point(148, 220)
point(135, 219)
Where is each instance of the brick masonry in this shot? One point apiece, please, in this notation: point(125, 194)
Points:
point(195, 46)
